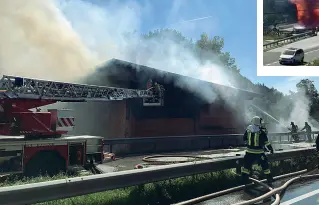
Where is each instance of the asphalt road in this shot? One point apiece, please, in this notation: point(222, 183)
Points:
point(297, 194)
point(310, 46)
point(305, 193)
point(272, 58)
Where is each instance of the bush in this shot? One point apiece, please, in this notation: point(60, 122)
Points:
point(314, 63)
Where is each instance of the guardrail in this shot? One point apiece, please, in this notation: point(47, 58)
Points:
point(237, 139)
point(70, 187)
point(289, 39)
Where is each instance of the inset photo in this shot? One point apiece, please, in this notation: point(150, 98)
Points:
point(290, 34)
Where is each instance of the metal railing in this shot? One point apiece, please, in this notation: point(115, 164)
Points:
point(70, 187)
point(223, 140)
point(289, 40)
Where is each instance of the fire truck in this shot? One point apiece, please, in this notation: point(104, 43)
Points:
point(34, 141)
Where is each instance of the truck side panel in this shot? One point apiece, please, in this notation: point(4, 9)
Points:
point(31, 150)
point(10, 161)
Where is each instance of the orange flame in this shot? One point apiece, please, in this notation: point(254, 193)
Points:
point(307, 12)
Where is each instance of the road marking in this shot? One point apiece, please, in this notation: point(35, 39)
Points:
point(305, 53)
point(302, 197)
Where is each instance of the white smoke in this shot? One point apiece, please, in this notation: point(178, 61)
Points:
point(37, 41)
point(103, 30)
point(66, 39)
point(293, 107)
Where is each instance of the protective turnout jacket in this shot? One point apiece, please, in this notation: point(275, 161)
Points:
point(256, 140)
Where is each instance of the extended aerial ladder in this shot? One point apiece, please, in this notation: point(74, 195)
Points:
point(18, 95)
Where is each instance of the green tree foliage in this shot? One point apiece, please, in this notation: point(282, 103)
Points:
point(211, 49)
point(308, 88)
point(279, 11)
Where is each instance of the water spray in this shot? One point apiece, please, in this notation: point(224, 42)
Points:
point(264, 112)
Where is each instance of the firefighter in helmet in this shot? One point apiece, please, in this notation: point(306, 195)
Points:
point(307, 127)
point(294, 132)
point(256, 141)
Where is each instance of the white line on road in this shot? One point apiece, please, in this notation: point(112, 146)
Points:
point(302, 197)
point(305, 53)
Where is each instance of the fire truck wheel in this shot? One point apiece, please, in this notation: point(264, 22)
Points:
point(45, 163)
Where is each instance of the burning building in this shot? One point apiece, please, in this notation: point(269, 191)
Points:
point(307, 12)
point(178, 112)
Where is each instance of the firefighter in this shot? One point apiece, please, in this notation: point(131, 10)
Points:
point(294, 132)
point(256, 141)
point(308, 131)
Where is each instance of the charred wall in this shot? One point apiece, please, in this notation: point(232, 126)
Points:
point(181, 114)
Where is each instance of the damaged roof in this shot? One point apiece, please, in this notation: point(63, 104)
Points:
point(124, 70)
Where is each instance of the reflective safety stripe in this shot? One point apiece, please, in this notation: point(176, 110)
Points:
point(267, 171)
point(267, 143)
point(255, 151)
point(244, 170)
point(256, 139)
point(253, 139)
point(249, 138)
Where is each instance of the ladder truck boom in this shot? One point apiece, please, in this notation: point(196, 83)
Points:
point(28, 88)
point(19, 94)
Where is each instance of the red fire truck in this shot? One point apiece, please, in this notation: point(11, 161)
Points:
point(32, 141)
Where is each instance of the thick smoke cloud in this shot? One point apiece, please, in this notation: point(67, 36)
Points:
point(102, 30)
point(307, 12)
point(293, 107)
point(65, 40)
point(37, 41)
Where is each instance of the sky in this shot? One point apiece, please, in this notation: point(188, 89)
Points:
point(233, 20)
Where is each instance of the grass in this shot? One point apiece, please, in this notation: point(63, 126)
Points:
point(314, 63)
point(169, 191)
point(274, 37)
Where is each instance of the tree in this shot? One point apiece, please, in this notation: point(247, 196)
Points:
point(210, 49)
point(307, 88)
point(278, 11)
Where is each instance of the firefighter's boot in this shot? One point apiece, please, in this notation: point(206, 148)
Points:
point(270, 180)
point(245, 179)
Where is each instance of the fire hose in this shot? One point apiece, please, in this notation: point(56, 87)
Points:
point(238, 188)
point(277, 190)
point(277, 199)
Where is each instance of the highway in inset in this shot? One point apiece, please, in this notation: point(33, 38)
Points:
point(310, 46)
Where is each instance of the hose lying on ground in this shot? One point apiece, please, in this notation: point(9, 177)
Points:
point(233, 189)
point(277, 199)
point(277, 190)
point(189, 158)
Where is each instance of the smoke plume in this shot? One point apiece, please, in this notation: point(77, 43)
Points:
point(37, 41)
point(65, 40)
point(292, 107)
point(307, 12)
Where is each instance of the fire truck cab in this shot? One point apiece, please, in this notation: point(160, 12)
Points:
point(34, 142)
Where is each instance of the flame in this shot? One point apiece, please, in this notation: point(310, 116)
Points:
point(307, 12)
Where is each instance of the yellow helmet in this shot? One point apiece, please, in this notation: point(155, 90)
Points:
point(256, 121)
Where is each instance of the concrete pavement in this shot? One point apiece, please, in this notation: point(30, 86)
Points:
point(128, 163)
